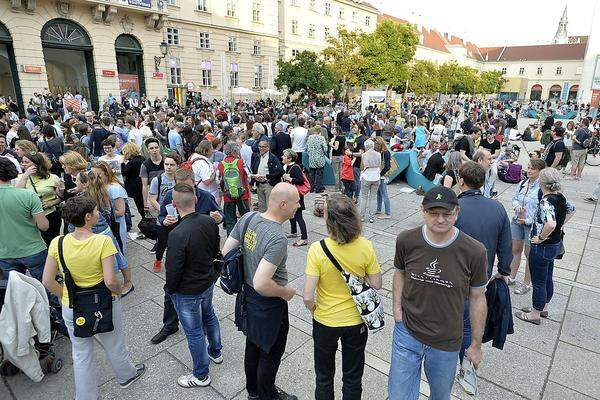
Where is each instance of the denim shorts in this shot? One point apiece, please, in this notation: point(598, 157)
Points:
point(520, 232)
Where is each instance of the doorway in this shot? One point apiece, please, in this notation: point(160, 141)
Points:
point(130, 66)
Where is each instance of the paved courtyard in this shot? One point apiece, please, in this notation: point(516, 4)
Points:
point(558, 360)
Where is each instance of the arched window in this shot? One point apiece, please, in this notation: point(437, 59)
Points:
point(536, 92)
point(128, 44)
point(64, 33)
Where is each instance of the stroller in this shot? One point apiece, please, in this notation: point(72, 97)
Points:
point(49, 362)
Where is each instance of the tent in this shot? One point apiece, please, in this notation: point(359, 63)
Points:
point(271, 92)
point(242, 91)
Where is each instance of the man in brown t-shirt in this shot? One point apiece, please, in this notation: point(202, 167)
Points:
point(438, 267)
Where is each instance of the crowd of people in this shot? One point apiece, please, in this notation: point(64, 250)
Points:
point(69, 181)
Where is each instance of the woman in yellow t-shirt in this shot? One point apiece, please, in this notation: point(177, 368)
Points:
point(90, 260)
point(49, 188)
point(335, 316)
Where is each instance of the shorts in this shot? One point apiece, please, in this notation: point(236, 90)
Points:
point(578, 157)
point(520, 232)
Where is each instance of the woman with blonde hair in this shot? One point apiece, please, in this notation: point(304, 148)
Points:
point(24, 146)
point(132, 162)
point(50, 188)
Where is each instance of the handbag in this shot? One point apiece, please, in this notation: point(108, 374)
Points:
point(367, 300)
point(92, 307)
point(303, 189)
point(232, 270)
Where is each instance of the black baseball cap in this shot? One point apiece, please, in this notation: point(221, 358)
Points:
point(440, 196)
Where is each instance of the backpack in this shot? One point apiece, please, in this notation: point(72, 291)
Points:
point(232, 180)
point(232, 272)
point(512, 174)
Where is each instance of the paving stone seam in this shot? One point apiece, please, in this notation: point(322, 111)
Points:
point(577, 284)
point(570, 389)
point(8, 388)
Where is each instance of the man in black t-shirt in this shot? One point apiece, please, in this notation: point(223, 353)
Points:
point(463, 145)
point(357, 150)
point(99, 134)
point(490, 143)
point(435, 164)
point(338, 144)
point(555, 149)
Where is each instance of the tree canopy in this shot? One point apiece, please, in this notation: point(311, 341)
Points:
point(305, 73)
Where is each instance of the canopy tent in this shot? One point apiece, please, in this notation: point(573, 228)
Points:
point(271, 92)
point(242, 91)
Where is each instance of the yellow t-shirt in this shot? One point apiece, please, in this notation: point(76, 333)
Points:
point(44, 188)
point(335, 306)
point(83, 258)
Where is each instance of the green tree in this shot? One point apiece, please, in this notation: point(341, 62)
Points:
point(386, 52)
point(490, 82)
point(305, 73)
point(343, 56)
point(457, 78)
point(423, 77)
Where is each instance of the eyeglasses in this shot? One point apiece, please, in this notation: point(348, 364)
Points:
point(444, 215)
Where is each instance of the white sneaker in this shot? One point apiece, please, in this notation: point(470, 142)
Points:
point(216, 360)
point(467, 377)
point(189, 381)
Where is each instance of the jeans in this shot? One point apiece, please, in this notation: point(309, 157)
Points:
point(229, 211)
point(405, 370)
point(298, 219)
point(336, 164)
point(261, 367)
point(541, 266)
point(354, 341)
point(315, 176)
point(197, 316)
point(367, 193)
point(382, 196)
point(467, 334)
point(82, 349)
point(356, 182)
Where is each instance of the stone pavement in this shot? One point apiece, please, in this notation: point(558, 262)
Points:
point(558, 360)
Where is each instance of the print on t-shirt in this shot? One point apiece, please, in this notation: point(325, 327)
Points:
point(432, 275)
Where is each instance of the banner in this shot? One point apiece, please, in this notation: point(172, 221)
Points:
point(128, 83)
point(73, 103)
point(595, 98)
point(564, 95)
point(140, 3)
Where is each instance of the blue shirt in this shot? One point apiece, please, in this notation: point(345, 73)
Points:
point(204, 205)
point(174, 139)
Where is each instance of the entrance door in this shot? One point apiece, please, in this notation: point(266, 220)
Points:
point(555, 92)
point(69, 60)
point(9, 78)
point(130, 66)
point(536, 92)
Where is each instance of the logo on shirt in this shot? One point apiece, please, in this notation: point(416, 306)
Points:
point(432, 275)
point(250, 239)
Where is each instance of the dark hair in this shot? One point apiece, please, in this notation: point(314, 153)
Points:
point(48, 119)
point(342, 219)
point(537, 164)
point(585, 122)
point(76, 208)
point(151, 140)
point(48, 131)
point(559, 131)
point(8, 170)
point(106, 120)
point(109, 141)
point(174, 156)
point(472, 174)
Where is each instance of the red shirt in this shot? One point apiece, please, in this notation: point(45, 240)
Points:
point(347, 171)
point(243, 177)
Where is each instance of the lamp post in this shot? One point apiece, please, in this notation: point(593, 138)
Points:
point(164, 49)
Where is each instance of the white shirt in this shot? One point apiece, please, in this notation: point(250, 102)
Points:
point(246, 153)
point(10, 135)
point(202, 171)
point(135, 136)
point(513, 134)
point(298, 135)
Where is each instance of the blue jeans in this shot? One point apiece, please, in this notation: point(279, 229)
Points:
point(34, 264)
point(382, 195)
point(356, 182)
point(405, 370)
point(467, 336)
point(541, 266)
point(197, 316)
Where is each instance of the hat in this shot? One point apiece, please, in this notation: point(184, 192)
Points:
point(440, 196)
point(227, 128)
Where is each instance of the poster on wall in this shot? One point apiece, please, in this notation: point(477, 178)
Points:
point(596, 77)
point(595, 98)
point(140, 3)
point(128, 84)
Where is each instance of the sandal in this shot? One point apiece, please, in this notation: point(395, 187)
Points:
point(291, 235)
point(525, 317)
point(543, 314)
point(300, 243)
point(125, 293)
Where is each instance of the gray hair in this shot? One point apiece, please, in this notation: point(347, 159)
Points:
point(369, 144)
point(258, 128)
point(231, 148)
point(291, 154)
point(454, 161)
point(550, 179)
point(278, 127)
point(342, 219)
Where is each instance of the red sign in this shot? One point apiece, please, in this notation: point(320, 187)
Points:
point(129, 83)
point(595, 98)
point(32, 69)
point(158, 75)
point(108, 72)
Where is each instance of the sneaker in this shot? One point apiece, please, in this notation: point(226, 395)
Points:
point(157, 266)
point(141, 368)
point(467, 377)
point(153, 249)
point(216, 360)
point(385, 216)
point(522, 288)
point(281, 395)
point(189, 381)
point(511, 281)
point(252, 397)
point(590, 200)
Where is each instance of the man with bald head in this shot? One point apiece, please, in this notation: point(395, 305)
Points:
point(190, 277)
point(484, 158)
point(261, 309)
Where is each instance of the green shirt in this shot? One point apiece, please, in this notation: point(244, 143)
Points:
point(19, 234)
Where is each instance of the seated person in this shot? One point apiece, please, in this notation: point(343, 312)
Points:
point(436, 163)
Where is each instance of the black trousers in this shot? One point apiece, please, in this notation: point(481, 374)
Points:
point(299, 219)
point(170, 318)
point(348, 188)
point(162, 237)
point(315, 176)
point(54, 224)
point(261, 367)
point(354, 341)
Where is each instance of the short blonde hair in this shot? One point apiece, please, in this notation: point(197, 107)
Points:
point(73, 160)
point(130, 150)
point(26, 145)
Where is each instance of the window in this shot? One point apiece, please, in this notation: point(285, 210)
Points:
point(367, 20)
point(354, 16)
point(294, 2)
point(258, 75)
point(522, 71)
point(206, 67)
point(327, 32)
point(539, 70)
point(172, 2)
point(256, 11)
point(294, 27)
point(256, 49)
point(503, 70)
point(232, 44)
point(327, 8)
point(233, 75)
point(579, 71)
point(202, 5)
point(341, 13)
point(204, 40)
point(311, 5)
point(295, 52)
point(231, 8)
point(558, 70)
point(175, 71)
point(173, 36)
point(311, 31)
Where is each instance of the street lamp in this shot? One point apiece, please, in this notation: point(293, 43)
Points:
point(164, 49)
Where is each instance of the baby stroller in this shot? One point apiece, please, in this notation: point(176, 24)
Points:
point(27, 308)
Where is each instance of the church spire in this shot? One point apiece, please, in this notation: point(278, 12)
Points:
point(562, 36)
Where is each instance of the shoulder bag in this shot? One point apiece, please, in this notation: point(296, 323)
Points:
point(367, 300)
point(232, 273)
point(304, 188)
point(92, 307)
